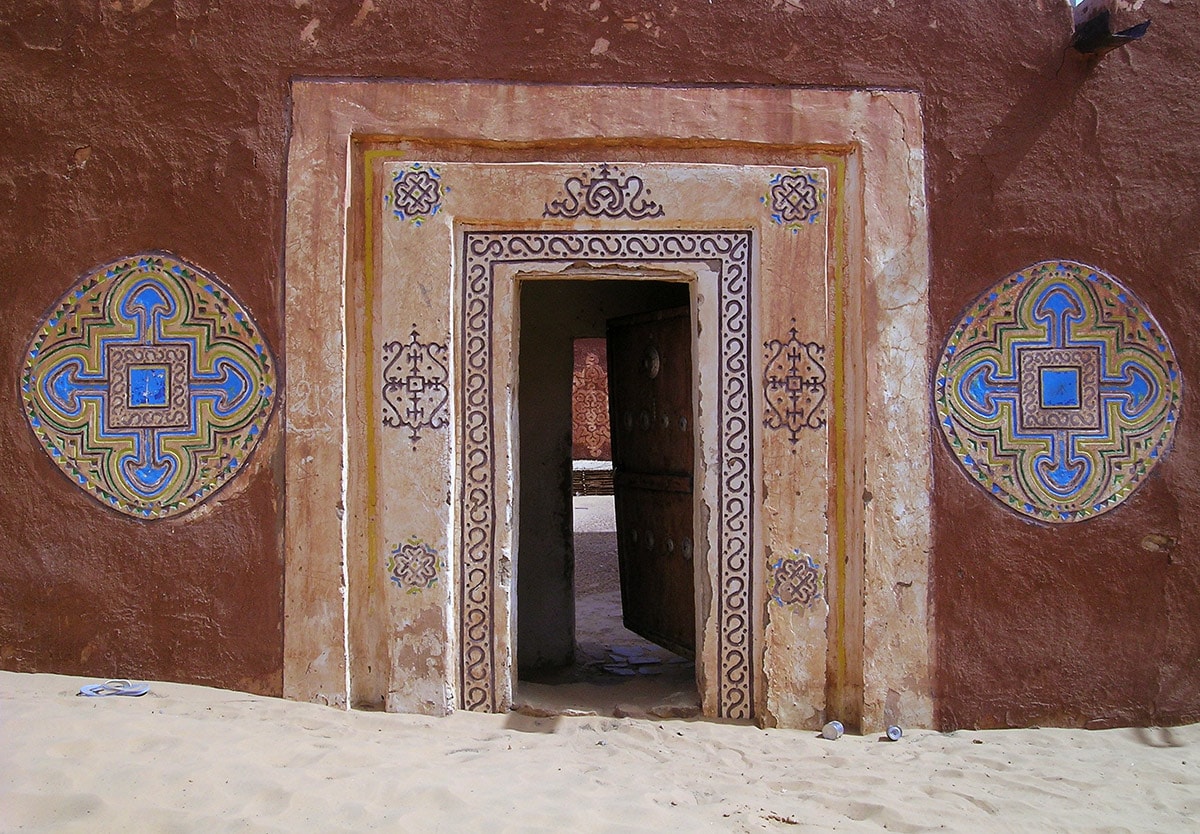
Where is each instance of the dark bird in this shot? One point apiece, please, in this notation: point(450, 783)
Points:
point(1093, 28)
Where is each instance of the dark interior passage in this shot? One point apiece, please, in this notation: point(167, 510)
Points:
point(573, 651)
point(615, 671)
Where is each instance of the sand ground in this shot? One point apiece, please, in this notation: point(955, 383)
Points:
point(186, 758)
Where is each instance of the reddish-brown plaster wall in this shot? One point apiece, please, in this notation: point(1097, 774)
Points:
point(136, 124)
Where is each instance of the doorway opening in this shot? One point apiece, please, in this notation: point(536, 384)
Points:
point(590, 563)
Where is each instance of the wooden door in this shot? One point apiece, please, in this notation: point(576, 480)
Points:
point(650, 402)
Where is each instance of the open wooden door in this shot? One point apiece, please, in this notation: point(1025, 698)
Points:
point(650, 402)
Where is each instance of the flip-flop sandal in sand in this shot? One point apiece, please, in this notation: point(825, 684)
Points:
point(114, 687)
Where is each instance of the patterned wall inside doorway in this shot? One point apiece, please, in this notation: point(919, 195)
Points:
point(590, 438)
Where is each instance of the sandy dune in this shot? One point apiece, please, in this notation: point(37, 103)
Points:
point(186, 758)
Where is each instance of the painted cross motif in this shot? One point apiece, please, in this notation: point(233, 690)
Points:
point(416, 193)
point(1058, 392)
point(795, 198)
point(794, 385)
point(149, 385)
point(415, 385)
point(604, 192)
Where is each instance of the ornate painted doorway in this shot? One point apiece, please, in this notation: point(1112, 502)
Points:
point(402, 485)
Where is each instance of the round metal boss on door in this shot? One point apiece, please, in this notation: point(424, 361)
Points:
point(148, 385)
point(651, 362)
point(1058, 392)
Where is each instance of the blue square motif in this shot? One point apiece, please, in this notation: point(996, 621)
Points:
point(147, 386)
point(1060, 388)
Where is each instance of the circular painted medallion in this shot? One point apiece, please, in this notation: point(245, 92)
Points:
point(1058, 392)
point(149, 385)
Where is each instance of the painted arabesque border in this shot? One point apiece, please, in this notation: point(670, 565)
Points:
point(478, 568)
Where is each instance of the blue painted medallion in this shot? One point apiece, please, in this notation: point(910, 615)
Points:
point(1058, 392)
point(148, 385)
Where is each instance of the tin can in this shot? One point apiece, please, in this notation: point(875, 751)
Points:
point(833, 730)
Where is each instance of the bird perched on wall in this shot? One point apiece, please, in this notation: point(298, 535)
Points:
point(1093, 28)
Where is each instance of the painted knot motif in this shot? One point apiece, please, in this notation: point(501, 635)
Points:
point(416, 193)
point(415, 385)
point(604, 191)
point(795, 198)
point(1058, 392)
point(794, 385)
point(149, 385)
point(795, 579)
point(413, 565)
